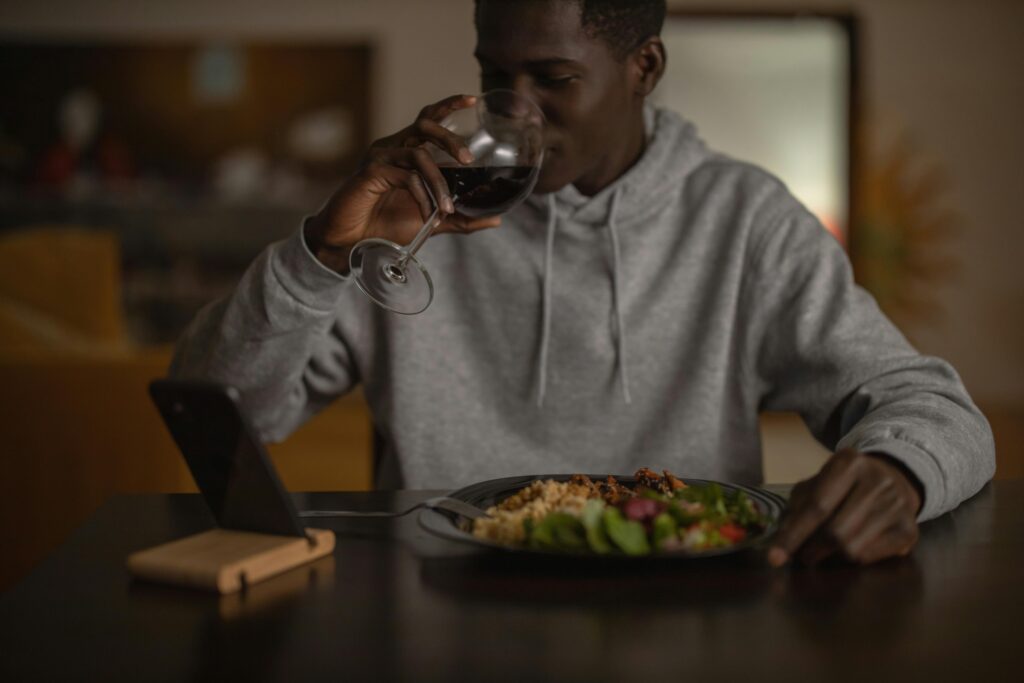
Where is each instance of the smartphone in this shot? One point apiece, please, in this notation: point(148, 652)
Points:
point(229, 464)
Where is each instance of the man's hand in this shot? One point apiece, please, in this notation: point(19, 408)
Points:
point(861, 506)
point(388, 196)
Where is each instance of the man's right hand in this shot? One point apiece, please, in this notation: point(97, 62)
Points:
point(386, 197)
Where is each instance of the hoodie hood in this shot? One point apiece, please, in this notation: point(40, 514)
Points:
point(673, 150)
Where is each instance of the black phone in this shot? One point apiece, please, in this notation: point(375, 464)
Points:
point(229, 464)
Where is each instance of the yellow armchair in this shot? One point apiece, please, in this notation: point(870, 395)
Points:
point(76, 422)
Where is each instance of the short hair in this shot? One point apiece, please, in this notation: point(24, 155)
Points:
point(622, 24)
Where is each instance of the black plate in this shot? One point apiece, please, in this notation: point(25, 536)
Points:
point(488, 493)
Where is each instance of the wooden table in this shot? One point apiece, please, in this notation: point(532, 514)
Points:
point(395, 603)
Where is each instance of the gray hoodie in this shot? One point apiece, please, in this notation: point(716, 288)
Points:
point(644, 326)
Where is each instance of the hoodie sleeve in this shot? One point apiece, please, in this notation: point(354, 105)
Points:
point(823, 349)
point(273, 339)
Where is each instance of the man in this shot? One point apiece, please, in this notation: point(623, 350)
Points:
point(639, 309)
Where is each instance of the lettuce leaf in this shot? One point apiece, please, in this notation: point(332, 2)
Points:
point(597, 537)
point(558, 531)
point(628, 535)
point(664, 528)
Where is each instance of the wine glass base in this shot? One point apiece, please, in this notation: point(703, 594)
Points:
point(391, 278)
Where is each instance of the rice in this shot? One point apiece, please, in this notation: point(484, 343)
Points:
point(504, 523)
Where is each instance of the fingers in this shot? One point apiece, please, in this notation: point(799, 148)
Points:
point(427, 128)
point(899, 539)
point(862, 517)
point(818, 549)
point(436, 183)
point(879, 543)
point(812, 504)
point(860, 510)
point(889, 527)
point(859, 506)
point(439, 110)
point(405, 150)
point(415, 171)
point(418, 160)
point(462, 224)
point(434, 132)
point(385, 177)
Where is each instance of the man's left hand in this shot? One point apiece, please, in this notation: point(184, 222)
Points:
point(860, 506)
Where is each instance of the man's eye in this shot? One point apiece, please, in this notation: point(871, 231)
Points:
point(555, 81)
point(491, 78)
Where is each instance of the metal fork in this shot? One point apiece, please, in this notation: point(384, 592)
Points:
point(445, 503)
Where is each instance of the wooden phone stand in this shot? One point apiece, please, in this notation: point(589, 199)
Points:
point(225, 560)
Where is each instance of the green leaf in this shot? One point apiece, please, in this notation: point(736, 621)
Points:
point(628, 535)
point(665, 527)
point(682, 517)
point(591, 516)
point(558, 531)
point(714, 539)
point(743, 511)
point(571, 536)
point(711, 496)
point(541, 536)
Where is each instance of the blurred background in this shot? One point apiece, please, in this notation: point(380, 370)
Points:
point(150, 149)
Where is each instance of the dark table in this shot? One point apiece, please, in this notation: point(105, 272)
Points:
point(395, 603)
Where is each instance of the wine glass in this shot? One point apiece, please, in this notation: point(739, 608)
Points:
point(504, 132)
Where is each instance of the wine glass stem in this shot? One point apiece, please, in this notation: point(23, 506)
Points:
point(421, 236)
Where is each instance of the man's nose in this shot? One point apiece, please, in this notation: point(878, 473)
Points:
point(523, 85)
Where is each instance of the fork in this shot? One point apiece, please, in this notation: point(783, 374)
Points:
point(445, 503)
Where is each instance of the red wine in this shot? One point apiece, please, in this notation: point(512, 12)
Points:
point(488, 190)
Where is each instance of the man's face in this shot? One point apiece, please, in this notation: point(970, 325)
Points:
point(538, 48)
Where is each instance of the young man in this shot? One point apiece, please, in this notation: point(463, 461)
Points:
point(639, 309)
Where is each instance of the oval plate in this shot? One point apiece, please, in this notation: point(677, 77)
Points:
point(487, 493)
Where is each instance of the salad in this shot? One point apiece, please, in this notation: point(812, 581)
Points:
point(661, 513)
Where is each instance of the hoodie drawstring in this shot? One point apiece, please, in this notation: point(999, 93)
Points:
point(620, 330)
point(545, 328)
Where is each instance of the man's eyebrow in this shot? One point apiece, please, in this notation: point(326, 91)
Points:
point(554, 61)
point(533, 63)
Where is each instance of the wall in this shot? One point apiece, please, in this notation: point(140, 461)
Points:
point(423, 46)
point(949, 73)
point(946, 74)
point(941, 71)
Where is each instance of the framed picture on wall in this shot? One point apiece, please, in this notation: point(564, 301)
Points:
point(778, 89)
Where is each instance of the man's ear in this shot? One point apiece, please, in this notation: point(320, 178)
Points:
point(647, 64)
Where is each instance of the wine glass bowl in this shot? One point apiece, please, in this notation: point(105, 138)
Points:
point(504, 132)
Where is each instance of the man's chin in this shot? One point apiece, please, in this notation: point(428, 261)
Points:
point(550, 180)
